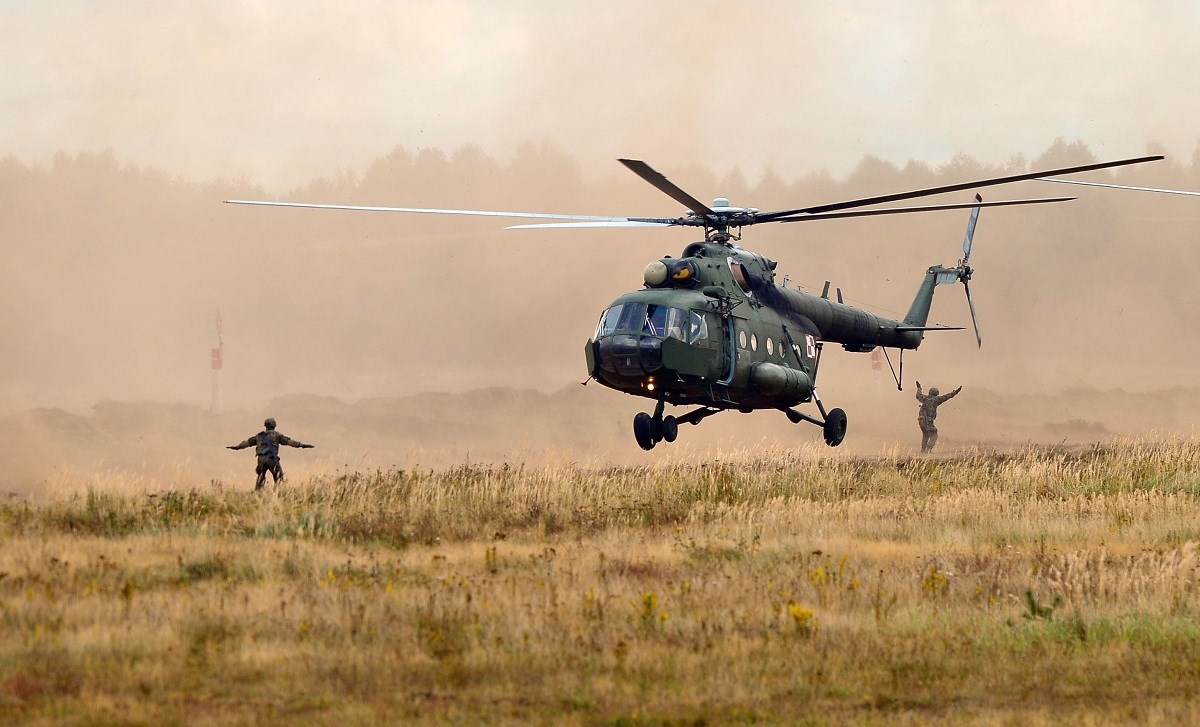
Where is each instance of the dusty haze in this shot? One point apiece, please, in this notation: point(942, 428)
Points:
point(116, 274)
point(128, 124)
point(114, 302)
point(282, 92)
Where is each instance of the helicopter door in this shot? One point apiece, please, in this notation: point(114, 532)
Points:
point(735, 355)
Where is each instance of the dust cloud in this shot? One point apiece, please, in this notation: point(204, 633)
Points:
point(343, 324)
point(283, 92)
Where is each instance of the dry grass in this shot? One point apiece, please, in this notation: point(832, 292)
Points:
point(799, 586)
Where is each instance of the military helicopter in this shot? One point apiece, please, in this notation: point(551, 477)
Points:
point(712, 329)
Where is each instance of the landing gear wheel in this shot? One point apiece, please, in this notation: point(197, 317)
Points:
point(643, 431)
point(670, 428)
point(835, 427)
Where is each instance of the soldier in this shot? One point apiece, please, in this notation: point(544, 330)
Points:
point(266, 446)
point(929, 404)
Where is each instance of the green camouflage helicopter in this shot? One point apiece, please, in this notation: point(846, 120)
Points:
point(712, 329)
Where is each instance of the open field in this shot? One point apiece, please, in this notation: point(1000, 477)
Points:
point(789, 586)
point(159, 445)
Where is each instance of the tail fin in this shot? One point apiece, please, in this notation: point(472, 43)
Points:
point(918, 312)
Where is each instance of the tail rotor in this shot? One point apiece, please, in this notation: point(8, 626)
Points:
point(962, 272)
point(971, 230)
point(964, 269)
point(974, 320)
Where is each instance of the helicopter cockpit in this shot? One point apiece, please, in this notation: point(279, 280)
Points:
point(655, 320)
point(631, 336)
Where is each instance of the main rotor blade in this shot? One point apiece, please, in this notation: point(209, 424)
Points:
point(666, 186)
point(971, 229)
point(974, 320)
point(923, 208)
point(626, 223)
point(476, 213)
point(1119, 186)
point(772, 216)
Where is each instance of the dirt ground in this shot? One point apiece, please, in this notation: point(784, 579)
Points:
point(159, 445)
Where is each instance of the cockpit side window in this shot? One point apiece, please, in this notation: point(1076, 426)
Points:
point(677, 324)
point(665, 322)
point(600, 326)
point(698, 327)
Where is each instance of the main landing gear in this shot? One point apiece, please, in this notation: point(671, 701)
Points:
point(833, 424)
point(835, 427)
point(650, 429)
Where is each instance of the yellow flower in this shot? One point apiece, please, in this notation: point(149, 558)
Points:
point(805, 620)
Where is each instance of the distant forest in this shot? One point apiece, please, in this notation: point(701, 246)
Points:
point(115, 272)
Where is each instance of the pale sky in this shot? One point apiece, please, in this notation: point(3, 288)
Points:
point(281, 92)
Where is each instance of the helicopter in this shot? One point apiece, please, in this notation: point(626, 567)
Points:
point(714, 331)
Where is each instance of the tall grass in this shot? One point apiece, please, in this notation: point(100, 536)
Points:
point(1036, 585)
point(1093, 488)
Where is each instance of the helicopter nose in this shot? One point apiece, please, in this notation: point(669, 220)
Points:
point(629, 355)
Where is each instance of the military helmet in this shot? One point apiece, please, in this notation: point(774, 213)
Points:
point(932, 392)
point(269, 424)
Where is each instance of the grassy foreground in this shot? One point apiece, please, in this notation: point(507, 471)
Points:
point(1037, 586)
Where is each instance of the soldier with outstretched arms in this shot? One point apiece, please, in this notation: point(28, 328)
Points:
point(266, 447)
point(929, 405)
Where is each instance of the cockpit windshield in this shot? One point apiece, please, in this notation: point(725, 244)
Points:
point(623, 317)
point(654, 320)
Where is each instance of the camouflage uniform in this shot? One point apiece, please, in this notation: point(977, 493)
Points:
point(929, 404)
point(266, 447)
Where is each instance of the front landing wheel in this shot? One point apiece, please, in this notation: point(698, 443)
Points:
point(643, 431)
point(670, 428)
point(835, 427)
